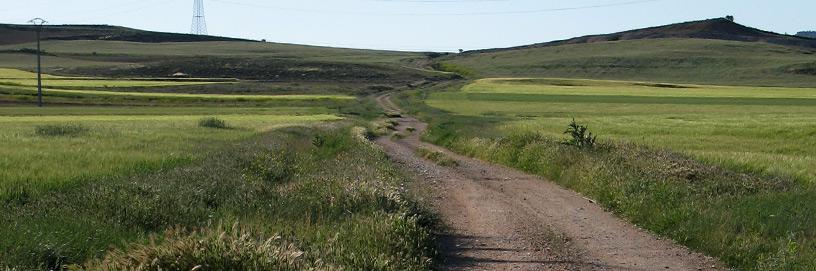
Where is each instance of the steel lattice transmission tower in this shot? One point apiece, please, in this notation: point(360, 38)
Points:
point(199, 23)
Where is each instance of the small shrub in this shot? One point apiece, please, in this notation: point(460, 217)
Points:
point(435, 54)
point(437, 157)
point(370, 135)
point(272, 166)
point(391, 124)
point(580, 136)
point(61, 130)
point(329, 145)
point(397, 136)
point(213, 122)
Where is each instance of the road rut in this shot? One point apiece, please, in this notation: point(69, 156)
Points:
point(503, 219)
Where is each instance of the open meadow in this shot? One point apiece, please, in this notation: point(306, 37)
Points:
point(768, 130)
point(289, 199)
point(112, 175)
point(687, 146)
point(51, 151)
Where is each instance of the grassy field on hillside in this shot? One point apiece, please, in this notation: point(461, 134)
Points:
point(9, 111)
point(254, 163)
point(724, 170)
point(224, 59)
point(58, 83)
point(266, 178)
point(106, 143)
point(175, 96)
point(766, 130)
point(215, 48)
point(19, 86)
point(670, 60)
point(15, 77)
point(289, 199)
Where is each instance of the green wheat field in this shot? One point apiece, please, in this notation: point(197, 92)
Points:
point(764, 129)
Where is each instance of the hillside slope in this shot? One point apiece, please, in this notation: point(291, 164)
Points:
point(705, 52)
point(93, 50)
point(16, 34)
point(714, 29)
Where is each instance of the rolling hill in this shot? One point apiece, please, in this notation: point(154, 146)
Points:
point(713, 29)
point(715, 51)
point(16, 34)
point(98, 50)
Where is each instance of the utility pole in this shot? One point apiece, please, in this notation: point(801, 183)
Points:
point(39, 26)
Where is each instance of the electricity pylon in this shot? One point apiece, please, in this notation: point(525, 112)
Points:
point(199, 23)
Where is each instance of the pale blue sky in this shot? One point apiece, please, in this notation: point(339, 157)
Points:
point(440, 25)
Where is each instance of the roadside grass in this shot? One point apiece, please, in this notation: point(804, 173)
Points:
point(111, 145)
point(397, 136)
point(751, 222)
point(275, 200)
point(764, 130)
point(437, 157)
point(733, 181)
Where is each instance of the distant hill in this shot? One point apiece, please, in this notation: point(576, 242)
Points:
point(715, 29)
point(15, 34)
point(807, 34)
point(97, 50)
point(715, 51)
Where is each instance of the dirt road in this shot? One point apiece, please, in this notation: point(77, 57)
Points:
point(503, 219)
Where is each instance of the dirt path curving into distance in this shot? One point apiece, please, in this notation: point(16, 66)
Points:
point(504, 219)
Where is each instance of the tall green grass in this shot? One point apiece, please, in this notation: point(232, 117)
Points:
point(766, 130)
point(37, 156)
point(282, 200)
point(60, 130)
